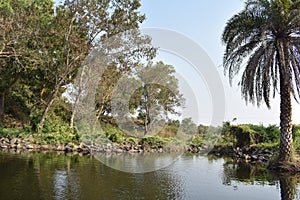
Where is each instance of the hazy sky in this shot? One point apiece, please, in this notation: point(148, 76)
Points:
point(203, 22)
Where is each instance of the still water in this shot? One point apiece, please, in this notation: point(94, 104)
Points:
point(51, 176)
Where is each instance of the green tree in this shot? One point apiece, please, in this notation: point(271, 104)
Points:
point(110, 67)
point(104, 93)
point(80, 26)
point(21, 32)
point(188, 126)
point(158, 95)
point(266, 36)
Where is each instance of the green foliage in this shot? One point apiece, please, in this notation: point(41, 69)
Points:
point(10, 132)
point(114, 134)
point(188, 126)
point(252, 40)
point(153, 141)
point(248, 134)
point(56, 128)
point(196, 141)
point(55, 131)
point(169, 130)
point(296, 137)
point(268, 145)
point(158, 94)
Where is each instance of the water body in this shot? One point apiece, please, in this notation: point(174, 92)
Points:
point(52, 176)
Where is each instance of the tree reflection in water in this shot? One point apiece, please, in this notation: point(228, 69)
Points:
point(50, 176)
point(257, 174)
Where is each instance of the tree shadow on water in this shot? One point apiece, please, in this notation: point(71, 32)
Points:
point(235, 173)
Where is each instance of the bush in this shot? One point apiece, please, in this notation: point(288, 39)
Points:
point(10, 132)
point(197, 141)
point(248, 134)
point(296, 137)
point(244, 135)
point(153, 141)
point(114, 134)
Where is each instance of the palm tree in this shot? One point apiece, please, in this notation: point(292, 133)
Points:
point(263, 40)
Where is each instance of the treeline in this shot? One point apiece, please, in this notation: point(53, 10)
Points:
point(243, 135)
point(43, 46)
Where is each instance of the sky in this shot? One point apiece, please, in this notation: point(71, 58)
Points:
point(203, 22)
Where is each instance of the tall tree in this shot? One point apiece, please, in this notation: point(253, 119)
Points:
point(266, 37)
point(21, 28)
point(158, 95)
point(116, 57)
point(79, 26)
point(188, 126)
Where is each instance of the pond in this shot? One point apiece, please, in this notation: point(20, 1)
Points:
point(51, 176)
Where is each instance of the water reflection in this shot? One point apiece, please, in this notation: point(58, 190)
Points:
point(256, 174)
point(50, 176)
point(288, 187)
point(138, 162)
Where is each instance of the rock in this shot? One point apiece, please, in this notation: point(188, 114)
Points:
point(68, 149)
point(108, 145)
point(45, 147)
point(75, 147)
point(19, 146)
point(60, 147)
point(254, 157)
point(82, 145)
point(30, 139)
point(13, 141)
point(133, 151)
point(107, 150)
point(247, 157)
point(79, 149)
point(3, 146)
point(28, 146)
point(140, 151)
point(6, 140)
point(166, 149)
point(267, 151)
point(119, 150)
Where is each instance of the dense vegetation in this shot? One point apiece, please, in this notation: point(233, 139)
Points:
point(43, 50)
point(44, 46)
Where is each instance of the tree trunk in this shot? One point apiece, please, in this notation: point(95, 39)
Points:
point(48, 106)
point(286, 137)
point(287, 188)
point(74, 109)
point(147, 109)
point(1, 107)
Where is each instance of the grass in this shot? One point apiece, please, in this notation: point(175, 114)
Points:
point(266, 145)
point(11, 132)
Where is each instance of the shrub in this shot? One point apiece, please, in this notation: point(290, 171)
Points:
point(244, 135)
point(114, 134)
point(197, 141)
point(153, 141)
point(296, 137)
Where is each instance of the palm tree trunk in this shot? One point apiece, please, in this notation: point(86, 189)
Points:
point(287, 188)
point(286, 138)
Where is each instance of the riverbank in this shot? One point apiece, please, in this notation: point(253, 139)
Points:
point(249, 154)
point(30, 144)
